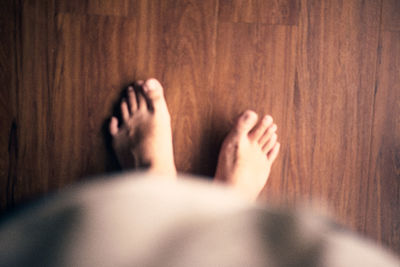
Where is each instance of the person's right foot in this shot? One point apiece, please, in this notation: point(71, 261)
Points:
point(247, 154)
point(144, 139)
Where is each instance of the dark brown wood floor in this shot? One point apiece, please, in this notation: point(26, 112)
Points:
point(328, 72)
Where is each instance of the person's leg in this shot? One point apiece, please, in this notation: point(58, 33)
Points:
point(247, 154)
point(144, 138)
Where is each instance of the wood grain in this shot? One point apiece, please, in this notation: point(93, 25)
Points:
point(333, 105)
point(7, 104)
point(255, 70)
point(34, 66)
point(328, 72)
point(71, 6)
point(178, 43)
point(105, 7)
point(391, 15)
point(382, 220)
point(259, 11)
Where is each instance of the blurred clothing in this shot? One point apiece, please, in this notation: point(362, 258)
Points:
point(134, 219)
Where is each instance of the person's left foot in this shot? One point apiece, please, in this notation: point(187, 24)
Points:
point(144, 139)
point(248, 153)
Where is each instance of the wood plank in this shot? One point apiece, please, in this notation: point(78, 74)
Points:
point(383, 212)
point(94, 7)
point(34, 65)
point(106, 7)
point(91, 73)
point(255, 70)
point(391, 15)
point(275, 12)
point(7, 102)
point(71, 6)
point(178, 47)
point(333, 100)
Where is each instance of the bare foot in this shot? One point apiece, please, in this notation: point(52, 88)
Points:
point(144, 139)
point(247, 154)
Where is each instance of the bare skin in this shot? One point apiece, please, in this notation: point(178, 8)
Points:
point(144, 139)
point(247, 154)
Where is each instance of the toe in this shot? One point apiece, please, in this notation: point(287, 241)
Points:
point(132, 99)
point(267, 135)
point(113, 127)
point(274, 152)
point(124, 110)
point(154, 93)
point(270, 144)
point(140, 99)
point(246, 122)
point(257, 132)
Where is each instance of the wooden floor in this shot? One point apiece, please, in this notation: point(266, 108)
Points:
point(327, 71)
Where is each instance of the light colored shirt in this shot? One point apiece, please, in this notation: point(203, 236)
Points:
point(134, 219)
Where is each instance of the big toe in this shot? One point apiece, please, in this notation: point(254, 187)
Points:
point(154, 93)
point(246, 122)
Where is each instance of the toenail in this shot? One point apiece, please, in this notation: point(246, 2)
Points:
point(148, 87)
point(247, 115)
point(267, 119)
